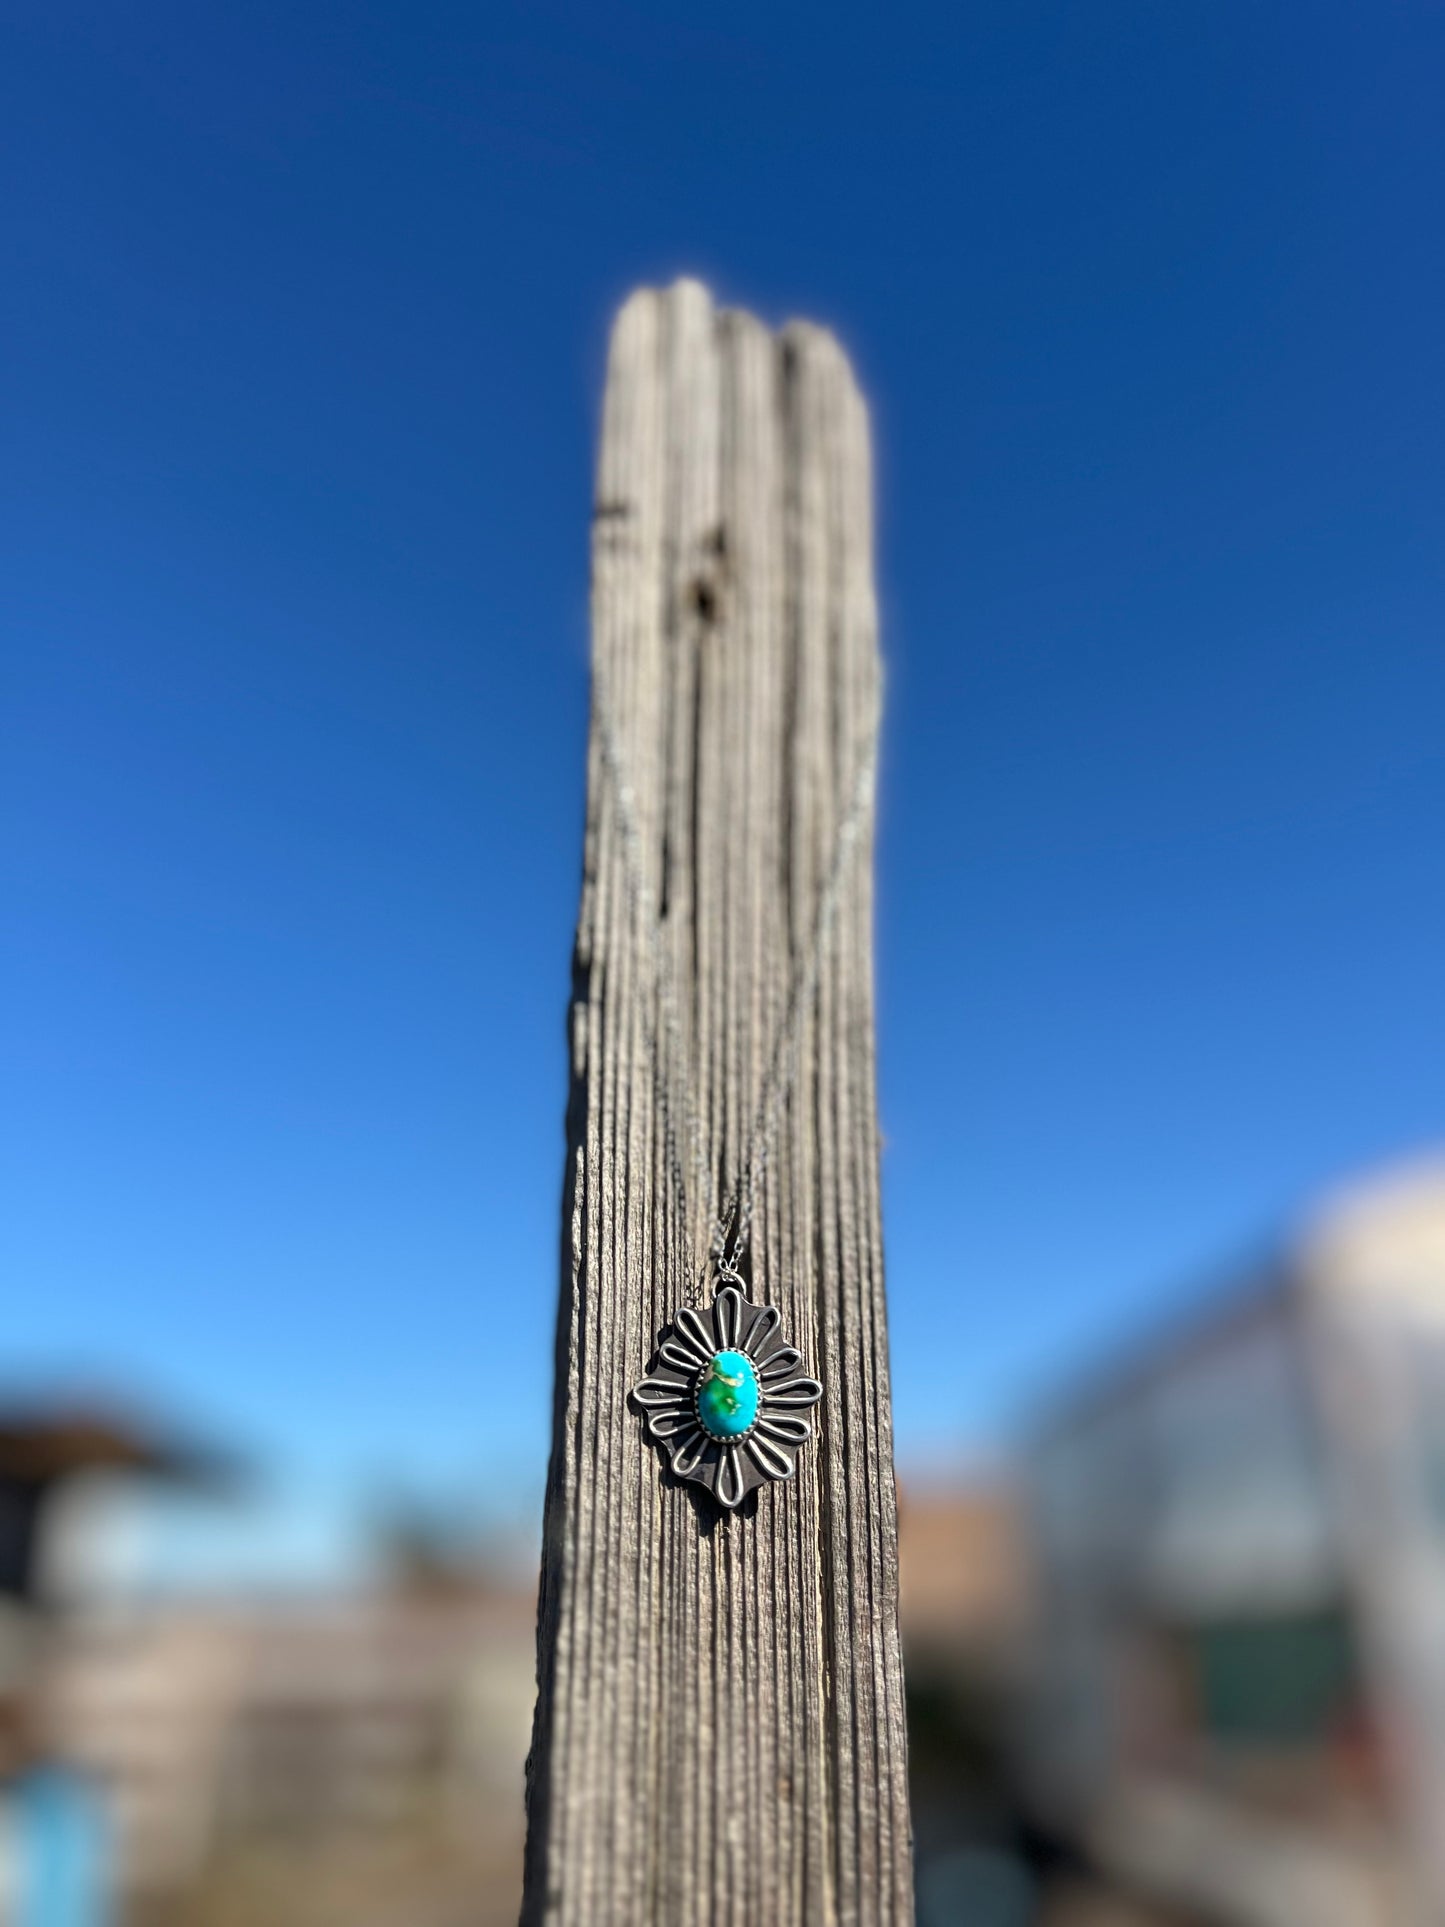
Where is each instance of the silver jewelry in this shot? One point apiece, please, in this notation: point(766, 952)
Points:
point(725, 1398)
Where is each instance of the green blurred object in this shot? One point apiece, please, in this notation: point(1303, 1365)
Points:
point(1285, 1681)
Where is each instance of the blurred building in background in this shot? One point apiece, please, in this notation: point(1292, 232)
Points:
point(1234, 1668)
point(57, 1857)
point(962, 1596)
point(323, 1762)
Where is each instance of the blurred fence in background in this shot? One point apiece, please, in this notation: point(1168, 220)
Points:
point(331, 1762)
point(348, 1761)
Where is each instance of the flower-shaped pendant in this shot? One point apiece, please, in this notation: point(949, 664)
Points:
point(726, 1399)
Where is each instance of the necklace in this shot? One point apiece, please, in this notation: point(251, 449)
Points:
point(725, 1397)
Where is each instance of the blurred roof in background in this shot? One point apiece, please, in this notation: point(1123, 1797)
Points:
point(41, 1442)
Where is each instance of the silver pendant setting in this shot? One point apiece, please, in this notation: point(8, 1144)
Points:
point(726, 1399)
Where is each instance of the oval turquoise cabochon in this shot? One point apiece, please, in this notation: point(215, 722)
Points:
point(728, 1395)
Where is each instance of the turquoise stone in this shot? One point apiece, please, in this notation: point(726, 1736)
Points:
point(727, 1395)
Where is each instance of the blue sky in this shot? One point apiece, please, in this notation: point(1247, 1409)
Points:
point(302, 339)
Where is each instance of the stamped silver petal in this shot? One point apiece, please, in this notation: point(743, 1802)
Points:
point(793, 1431)
point(687, 1453)
point(727, 1311)
point(763, 1327)
point(690, 1327)
point(681, 1357)
point(794, 1392)
point(730, 1486)
point(659, 1391)
point(671, 1420)
point(783, 1363)
point(768, 1458)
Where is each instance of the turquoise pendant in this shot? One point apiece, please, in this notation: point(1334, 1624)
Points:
point(726, 1399)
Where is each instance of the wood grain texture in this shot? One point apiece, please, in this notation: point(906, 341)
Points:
point(720, 1729)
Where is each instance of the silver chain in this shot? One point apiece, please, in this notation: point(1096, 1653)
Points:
point(733, 1225)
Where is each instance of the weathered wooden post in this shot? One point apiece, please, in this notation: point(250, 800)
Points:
point(720, 1729)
